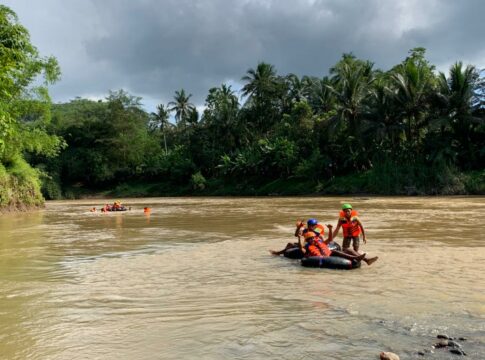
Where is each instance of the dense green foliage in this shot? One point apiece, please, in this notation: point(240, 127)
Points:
point(24, 113)
point(407, 130)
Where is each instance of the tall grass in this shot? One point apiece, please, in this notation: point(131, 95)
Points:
point(19, 185)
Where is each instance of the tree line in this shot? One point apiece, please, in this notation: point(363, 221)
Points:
point(410, 127)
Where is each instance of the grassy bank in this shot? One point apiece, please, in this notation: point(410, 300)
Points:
point(19, 187)
point(379, 181)
point(418, 180)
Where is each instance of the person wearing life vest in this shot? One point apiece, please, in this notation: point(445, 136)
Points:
point(315, 245)
point(312, 225)
point(352, 228)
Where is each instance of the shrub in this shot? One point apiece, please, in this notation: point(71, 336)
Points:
point(198, 181)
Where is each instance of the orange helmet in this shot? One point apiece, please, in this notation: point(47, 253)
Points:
point(309, 234)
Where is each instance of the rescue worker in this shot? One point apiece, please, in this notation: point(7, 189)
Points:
point(352, 228)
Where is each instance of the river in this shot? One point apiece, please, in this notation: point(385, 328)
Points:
point(194, 280)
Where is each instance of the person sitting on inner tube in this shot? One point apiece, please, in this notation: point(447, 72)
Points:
point(351, 228)
point(312, 225)
point(315, 245)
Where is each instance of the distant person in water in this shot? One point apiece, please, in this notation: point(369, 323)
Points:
point(312, 225)
point(352, 228)
point(106, 207)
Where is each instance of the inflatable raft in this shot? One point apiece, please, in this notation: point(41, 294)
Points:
point(330, 262)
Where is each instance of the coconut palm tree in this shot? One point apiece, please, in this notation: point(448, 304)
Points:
point(350, 85)
point(413, 84)
point(457, 95)
point(264, 91)
point(457, 91)
point(221, 106)
point(160, 120)
point(261, 82)
point(221, 119)
point(319, 94)
point(182, 106)
point(383, 126)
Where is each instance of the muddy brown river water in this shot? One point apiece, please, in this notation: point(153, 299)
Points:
point(194, 280)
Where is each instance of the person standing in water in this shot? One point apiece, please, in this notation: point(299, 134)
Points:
point(352, 228)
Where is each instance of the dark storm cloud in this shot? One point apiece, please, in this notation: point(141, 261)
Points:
point(153, 48)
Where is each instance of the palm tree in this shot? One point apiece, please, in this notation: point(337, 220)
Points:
point(413, 83)
point(296, 88)
point(261, 82)
point(161, 121)
point(221, 106)
point(350, 85)
point(220, 117)
point(457, 95)
point(382, 123)
point(319, 95)
point(182, 106)
point(457, 91)
point(264, 90)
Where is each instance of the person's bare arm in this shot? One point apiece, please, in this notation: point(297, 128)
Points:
point(299, 226)
point(330, 234)
point(363, 231)
point(335, 233)
point(300, 246)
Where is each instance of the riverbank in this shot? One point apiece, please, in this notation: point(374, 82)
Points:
point(20, 192)
point(369, 183)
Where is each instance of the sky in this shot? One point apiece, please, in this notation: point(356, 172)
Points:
point(151, 48)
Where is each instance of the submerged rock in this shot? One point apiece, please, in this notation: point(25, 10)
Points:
point(388, 356)
point(453, 344)
point(444, 336)
point(457, 351)
point(441, 343)
point(425, 352)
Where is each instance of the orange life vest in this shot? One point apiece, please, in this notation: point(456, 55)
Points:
point(350, 227)
point(319, 229)
point(316, 247)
